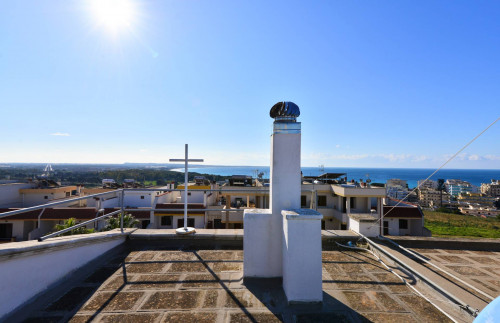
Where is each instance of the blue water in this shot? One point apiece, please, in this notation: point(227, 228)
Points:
point(377, 175)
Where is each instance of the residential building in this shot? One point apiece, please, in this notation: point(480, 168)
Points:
point(433, 198)
point(457, 186)
point(491, 189)
point(476, 198)
point(479, 211)
point(427, 184)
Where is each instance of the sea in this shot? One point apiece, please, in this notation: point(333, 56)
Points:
point(376, 175)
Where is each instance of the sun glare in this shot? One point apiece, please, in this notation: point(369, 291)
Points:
point(114, 15)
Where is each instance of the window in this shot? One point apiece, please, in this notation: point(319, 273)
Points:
point(5, 230)
point(353, 202)
point(46, 197)
point(303, 201)
point(322, 200)
point(189, 194)
point(166, 220)
point(142, 197)
point(403, 224)
point(218, 224)
point(68, 194)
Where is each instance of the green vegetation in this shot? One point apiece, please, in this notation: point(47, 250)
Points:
point(114, 222)
point(449, 224)
point(93, 176)
point(69, 223)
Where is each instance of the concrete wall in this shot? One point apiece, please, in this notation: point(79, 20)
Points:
point(258, 259)
point(133, 199)
point(10, 196)
point(29, 268)
point(302, 268)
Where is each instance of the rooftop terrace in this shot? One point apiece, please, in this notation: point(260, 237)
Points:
point(166, 278)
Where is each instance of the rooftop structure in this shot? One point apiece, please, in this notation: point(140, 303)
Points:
point(290, 270)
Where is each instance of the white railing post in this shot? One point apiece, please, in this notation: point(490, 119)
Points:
point(122, 208)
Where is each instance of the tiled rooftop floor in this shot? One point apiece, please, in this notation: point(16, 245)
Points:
point(207, 286)
point(478, 268)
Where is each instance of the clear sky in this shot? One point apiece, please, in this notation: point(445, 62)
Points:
point(379, 83)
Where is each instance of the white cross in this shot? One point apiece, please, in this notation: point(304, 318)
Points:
point(185, 160)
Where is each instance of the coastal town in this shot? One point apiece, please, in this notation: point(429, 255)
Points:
point(390, 208)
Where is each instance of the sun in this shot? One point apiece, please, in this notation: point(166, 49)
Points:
point(114, 15)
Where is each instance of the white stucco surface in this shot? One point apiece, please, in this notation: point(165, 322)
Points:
point(258, 261)
point(301, 254)
point(30, 267)
point(285, 188)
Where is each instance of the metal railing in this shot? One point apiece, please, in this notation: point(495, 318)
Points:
point(121, 194)
point(82, 224)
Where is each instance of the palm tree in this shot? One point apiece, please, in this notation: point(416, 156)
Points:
point(70, 223)
point(114, 222)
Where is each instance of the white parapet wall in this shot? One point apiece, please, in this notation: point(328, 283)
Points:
point(258, 260)
point(302, 267)
point(29, 268)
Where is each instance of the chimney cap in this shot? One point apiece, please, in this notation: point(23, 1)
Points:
point(285, 111)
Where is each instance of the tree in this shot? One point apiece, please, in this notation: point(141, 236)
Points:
point(114, 222)
point(70, 223)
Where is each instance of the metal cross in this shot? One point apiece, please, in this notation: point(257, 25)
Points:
point(185, 160)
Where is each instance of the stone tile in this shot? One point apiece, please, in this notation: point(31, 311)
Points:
point(239, 299)
point(115, 283)
point(216, 255)
point(485, 260)
point(467, 271)
point(130, 318)
point(453, 260)
point(455, 251)
point(352, 268)
point(361, 301)
point(388, 302)
point(361, 281)
point(161, 281)
point(71, 299)
point(108, 301)
point(487, 284)
point(390, 281)
point(200, 281)
point(336, 256)
point(210, 299)
point(423, 309)
point(144, 268)
point(186, 267)
point(389, 317)
point(238, 255)
point(485, 252)
point(172, 300)
point(425, 250)
point(332, 269)
point(81, 319)
point(227, 266)
point(254, 317)
point(176, 256)
point(145, 255)
point(193, 317)
point(323, 317)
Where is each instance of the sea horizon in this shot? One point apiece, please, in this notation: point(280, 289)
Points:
point(376, 175)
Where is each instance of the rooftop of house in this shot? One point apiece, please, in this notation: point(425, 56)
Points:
point(207, 286)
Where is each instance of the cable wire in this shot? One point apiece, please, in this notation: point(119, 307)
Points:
point(449, 160)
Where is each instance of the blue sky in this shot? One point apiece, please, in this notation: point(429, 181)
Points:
point(379, 83)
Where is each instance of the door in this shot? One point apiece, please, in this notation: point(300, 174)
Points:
point(386, 228)
point(6, 231)
point(180, 223)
